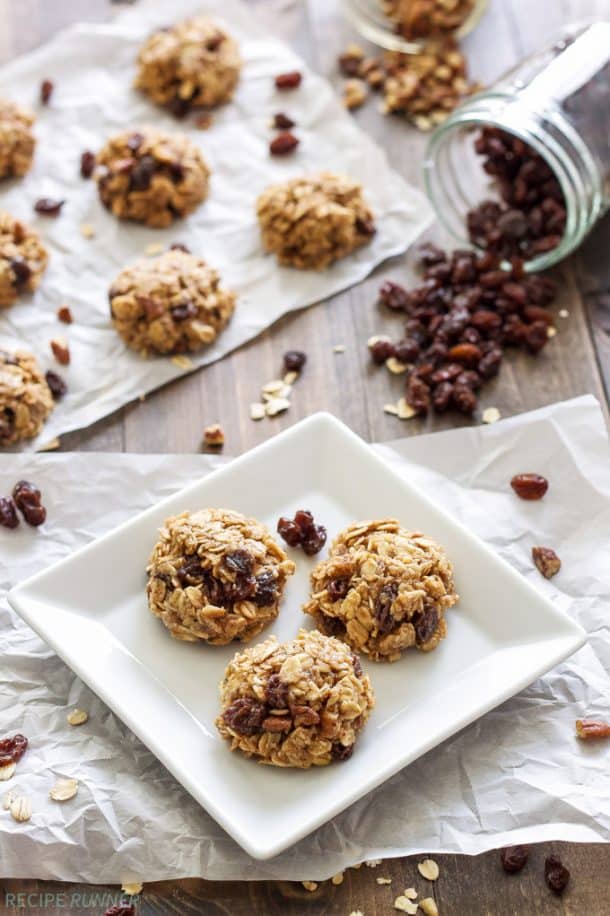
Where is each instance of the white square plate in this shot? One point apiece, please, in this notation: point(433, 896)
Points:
point(91, 608)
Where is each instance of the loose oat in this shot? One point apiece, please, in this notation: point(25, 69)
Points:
point(257, 411)
point(355, 92)
point(411, 893)
point(291, 377)
point(49, 446)
point(153, 248)
point(395, 366)
point(183, 362)
point(428, 869)
point(337, 879)
point(64, 790)
point(405, 411)
point(391, 409)
point(87, 231)
point(373, 863)
point(299, 704)
point(551, 332)
point(491, 415)
point(339, 348)
point(7, 800)
point(77, 717)
point(310, 885)
point(563, 313)
point(132, 888)
point(383, 589)
point(6, 772)
point(216, 576)
point(25, 397)
point(274, 406)
point(312, 221)
point(405, 905)
point(20, 808)
point(428, 906)
point(383, 880)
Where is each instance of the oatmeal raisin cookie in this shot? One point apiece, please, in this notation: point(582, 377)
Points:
point(25, 398)
point(151, 177)
point(299, 704)
point(311, 222)
point(16, 139)
point(193, 64)
point(169, 304)
point(215, 575)
point(383, 589)
point(23, 259)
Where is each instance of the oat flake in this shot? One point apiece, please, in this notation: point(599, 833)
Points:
point(395, 366)
point(183, 362)
point(391, 409)
point(428, 869)
point(383, 880)
point(276, 405)
point(257, 411)
point(339, 348)
point(491, 415)
point(411, 893)
point(337, 879)
point(132, 888)
point(428, 906)
point(310, 885)
point(153, 248)
point(405, 411)
point(405, 905)
point(7, 771)
point(77, 717)
point(21, 808)
point(64, 790)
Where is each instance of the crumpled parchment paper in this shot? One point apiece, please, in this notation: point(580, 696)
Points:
point(93, 67)
point(517, 775)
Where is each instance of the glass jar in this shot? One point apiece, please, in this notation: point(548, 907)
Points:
point(374, 23)
point(557, 102)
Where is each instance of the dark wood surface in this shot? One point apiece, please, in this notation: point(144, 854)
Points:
point(171, 420)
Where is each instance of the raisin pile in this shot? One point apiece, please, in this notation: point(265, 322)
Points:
point(460, 319)
point(27, 498)
point(302, 531)
point(530, 218)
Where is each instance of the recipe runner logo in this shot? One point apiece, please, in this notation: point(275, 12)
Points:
point(63, 900)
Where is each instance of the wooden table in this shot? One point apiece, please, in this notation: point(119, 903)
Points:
point(576, 361)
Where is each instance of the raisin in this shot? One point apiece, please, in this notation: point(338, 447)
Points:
point(190, 571)
point(291, 80)
point(546, 561)
point(556, 874)
point(289, 531)
point(245, 716)
point(418, 394)
point(394, 296)
point(529, 486)
point(282, 121)
point(284, 144)
point(407, 350)
point(266, 589)
point(276, 692)
point(441, 396)
point(294, 360)
point(470, 378)
point(381, 350)
point(429, 254)
point(48, 206)
point(8, 513)
point(180, 246)
point(489, 365)
point(56, 384)
point(513, 858)
point(357, 665)
point(179, 107)
point(467, 354)
point(536, 336)
point(314, 540)
point(425, 623)
point(341, 751)
point(338, 588)
point(365, 227)
point(46, 91)
point(142, 173)
point(21, 271)
point(304, 520)
point(34, 515)
point(12, 749)
point(464, 399)
point(243, 588)
point(121, 909)
point(239, 561)
point(184, 311)
point(383, 607)
point(25, 492)
point(64, 314)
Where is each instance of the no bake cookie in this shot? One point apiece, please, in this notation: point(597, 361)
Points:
point(299, 704)
point(16, 139)
point(215, 575)
point(23, 259)
point(169, 304)
point(151, 177)
point(383, 589)
point(193, 64)
point(25, 398)
point(312, 221)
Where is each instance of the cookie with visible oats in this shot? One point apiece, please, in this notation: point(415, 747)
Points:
point(193, 64)
point(16, 139)
point(216, 576)
point(383, 589)
point(25, 398)
point(23, 259)
point(151, 177)
point(299, 704)
point(170, 304)
point(313, 221)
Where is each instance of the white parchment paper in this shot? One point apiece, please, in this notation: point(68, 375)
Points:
point(93, 67)
point(516, 775)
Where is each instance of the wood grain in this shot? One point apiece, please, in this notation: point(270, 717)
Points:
point(171, 420)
